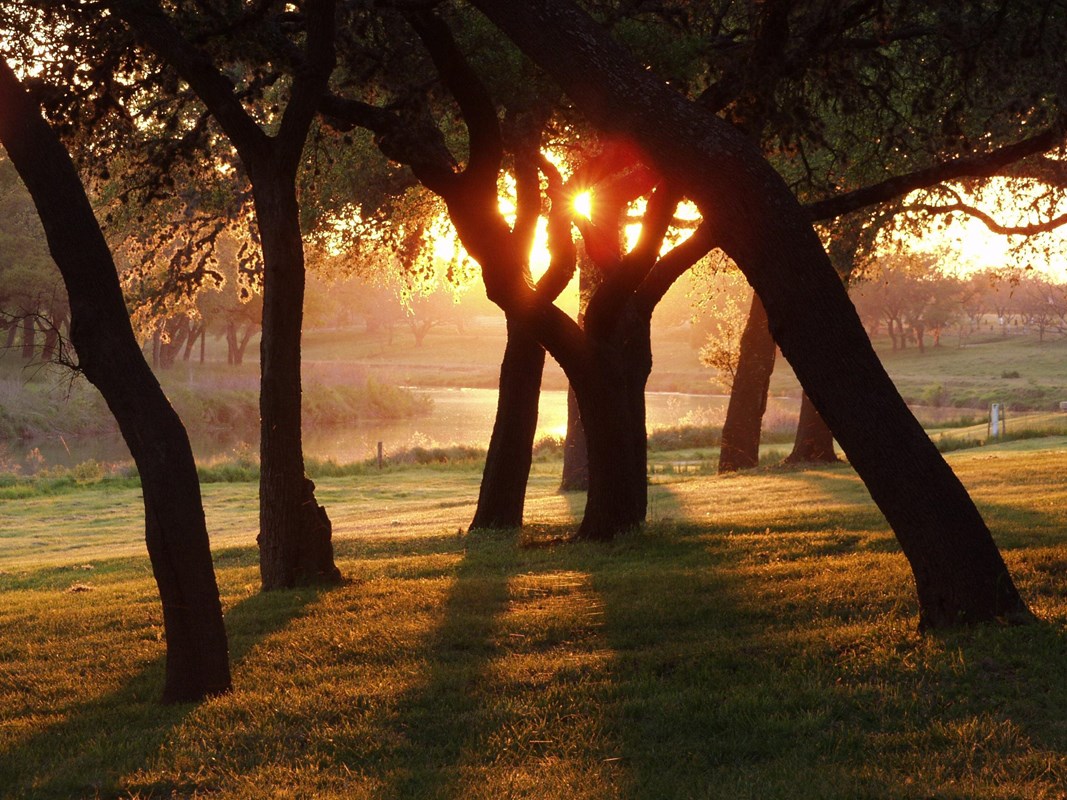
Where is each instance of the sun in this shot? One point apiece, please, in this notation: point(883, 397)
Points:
point(583, 203)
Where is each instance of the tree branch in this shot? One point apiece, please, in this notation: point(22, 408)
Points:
point(562, 252)
point(959, 207)
point(983, 165)
point(475, 104)
point(214, 89)
point(673, 264)
point(310, 82)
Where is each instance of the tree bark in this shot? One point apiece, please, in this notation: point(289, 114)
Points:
point(614, 424)
point(748, 398)
point(959, 573)
point(814, 443)
point(294, 531)
point(175, 529)
point(502, 495)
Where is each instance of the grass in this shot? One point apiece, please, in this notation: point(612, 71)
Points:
point(755, 640)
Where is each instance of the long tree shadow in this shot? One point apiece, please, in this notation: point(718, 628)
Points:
point(439, 718)
point(107, 736)
point(729, 683)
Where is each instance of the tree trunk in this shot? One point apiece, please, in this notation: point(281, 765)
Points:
point(575, 458)
point(29, 336)
point(502, 495)
point(175, 530)
point(58, 318)
point(239, 348)
point(613, 504)
point(959, 573)
point(196, 332)
point(814, 443)
point(613, 416)
point(575, 455)
point(12, 334)
point(748, 397)
point(295, 533)
point(231, 343)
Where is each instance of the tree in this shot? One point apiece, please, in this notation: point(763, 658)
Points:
point(608, 360)
point(175, 529)
point(960, 575)
point(295, 533)
point(828, 85)
point(31, 294)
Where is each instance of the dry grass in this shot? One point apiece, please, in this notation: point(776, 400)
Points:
point(756, 640)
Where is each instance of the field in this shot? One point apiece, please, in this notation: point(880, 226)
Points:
point(756, 640)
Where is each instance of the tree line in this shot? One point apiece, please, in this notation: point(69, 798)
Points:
point(915, 304)
point(769, 117)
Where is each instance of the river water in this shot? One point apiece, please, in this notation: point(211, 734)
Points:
point(459, 417)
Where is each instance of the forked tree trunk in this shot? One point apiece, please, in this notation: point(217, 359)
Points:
point(959, 574)
point(814, 443)
point(294, 531)
point(502, 495)
point(748, 398)
point(197, 663)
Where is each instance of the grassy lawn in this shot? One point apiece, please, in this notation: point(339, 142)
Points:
point(756, 640)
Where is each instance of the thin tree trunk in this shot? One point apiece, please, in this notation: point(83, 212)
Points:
point(814, 443)
point(197, 663)
point(502, 495)
point(575, 456)
point(29, 336)
point(748, 397)
point(295, 532)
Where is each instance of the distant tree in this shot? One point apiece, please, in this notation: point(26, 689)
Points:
point(32, 297)
point(1042, 304)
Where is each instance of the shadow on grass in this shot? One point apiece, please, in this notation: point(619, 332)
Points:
point(441, 718)
point(105, 737)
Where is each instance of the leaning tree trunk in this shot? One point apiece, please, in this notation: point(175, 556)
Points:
point(197, 663)
point(748, 397)
point(959, 573)
point(507, 465)
point(814, 443)
point(295, 544)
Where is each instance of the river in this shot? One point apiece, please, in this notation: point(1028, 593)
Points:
point(459, 417)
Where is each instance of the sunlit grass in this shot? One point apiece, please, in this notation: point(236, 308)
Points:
point(757, 640)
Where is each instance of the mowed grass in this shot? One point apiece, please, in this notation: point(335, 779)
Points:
point(756, 640)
